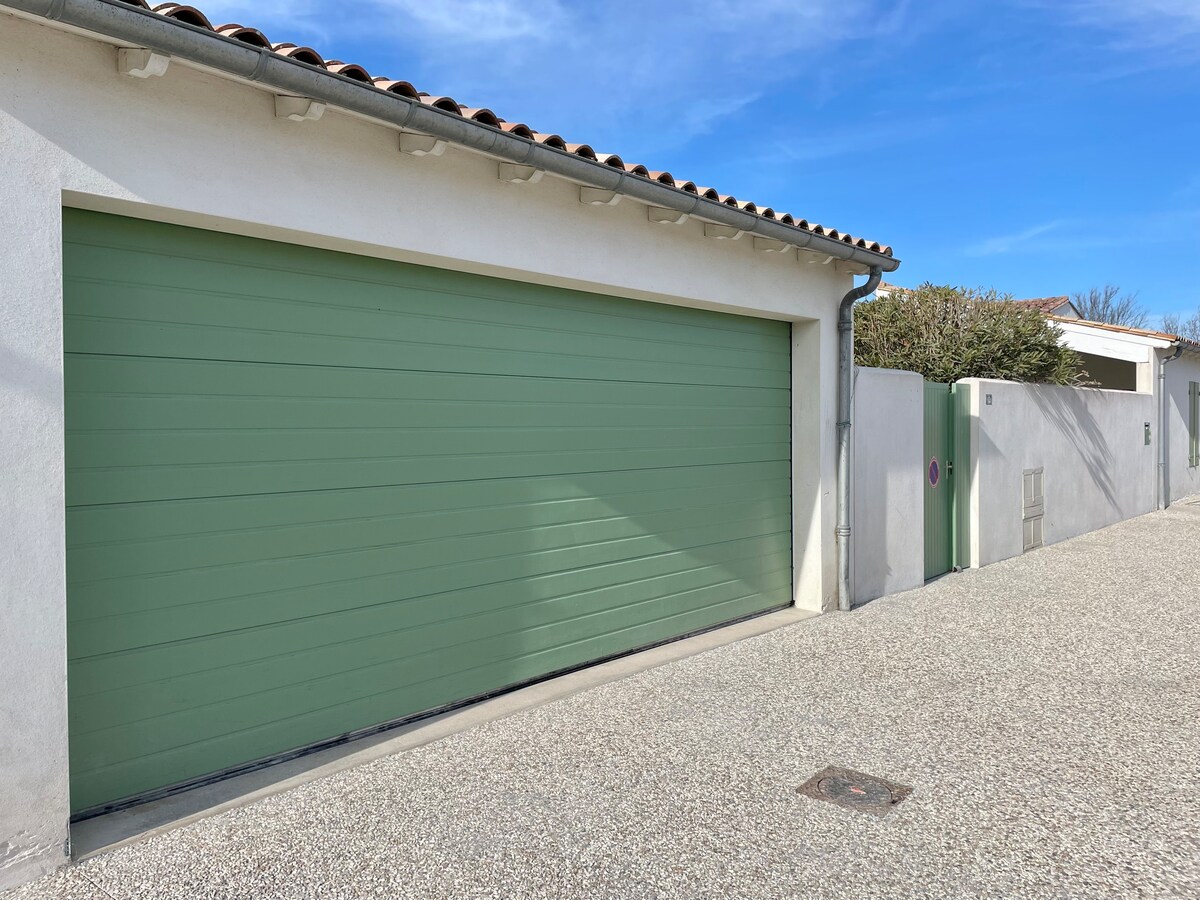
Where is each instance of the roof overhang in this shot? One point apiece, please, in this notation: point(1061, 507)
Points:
point(127, 25)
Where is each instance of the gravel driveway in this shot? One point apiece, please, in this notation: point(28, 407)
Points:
point(1045, 710)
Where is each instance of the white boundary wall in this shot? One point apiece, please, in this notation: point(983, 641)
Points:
point(196, 149)
point(888, 505)
point(1091, 444)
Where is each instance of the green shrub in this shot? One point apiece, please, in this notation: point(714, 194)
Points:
point(947, 333)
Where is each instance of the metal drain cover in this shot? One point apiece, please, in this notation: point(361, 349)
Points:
point(854, 790)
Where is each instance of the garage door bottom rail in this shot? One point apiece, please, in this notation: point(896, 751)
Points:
point(276, 759)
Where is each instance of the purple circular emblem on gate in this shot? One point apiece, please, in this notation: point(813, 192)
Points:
point(935, 472)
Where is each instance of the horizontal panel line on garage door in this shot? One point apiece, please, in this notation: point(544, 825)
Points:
point(104, 375)
point(126, 418)
point(367, 488)
point(94, 525)
point(137, 747)
point(524, 454)
point(219, 610)
point(284, 640)
point(250, 479)
point(455, 430)
point(293, 272)
point(411, 532)
point(155, 450)
point(241, 346)
point(238, 543)
point(371, 349)
point(316, 660)
point(534, 335)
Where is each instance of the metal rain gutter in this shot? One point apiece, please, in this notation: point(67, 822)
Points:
point(140, 28)
point(844, 412)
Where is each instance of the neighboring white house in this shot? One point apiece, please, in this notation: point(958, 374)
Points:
point(283, 344)
point(1167, 367)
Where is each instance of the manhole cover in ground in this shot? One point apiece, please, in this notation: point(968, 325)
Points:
point(854, 790)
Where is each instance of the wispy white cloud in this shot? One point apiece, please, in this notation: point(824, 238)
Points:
point(1163, 228)
point(595, 72)
point(1167, 28)
point(475, 22)
point(1007, 243)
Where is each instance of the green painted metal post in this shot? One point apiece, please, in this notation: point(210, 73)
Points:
point(939, 467)
point(961, 476)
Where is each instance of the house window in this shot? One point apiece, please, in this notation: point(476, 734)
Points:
point(1194, 424)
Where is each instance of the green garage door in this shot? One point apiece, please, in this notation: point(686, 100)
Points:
point(309, 492)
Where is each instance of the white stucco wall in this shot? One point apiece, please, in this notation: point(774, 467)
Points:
point(1183, 479)
point(888, 511)
point(1091, 444)
point(195, 149)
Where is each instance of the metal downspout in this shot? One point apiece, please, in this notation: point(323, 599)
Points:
point(1164, 498)
point(844, 405)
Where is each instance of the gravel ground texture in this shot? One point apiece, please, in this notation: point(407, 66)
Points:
point(1045, 710)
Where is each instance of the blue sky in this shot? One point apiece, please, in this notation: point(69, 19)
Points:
point(1040, 147)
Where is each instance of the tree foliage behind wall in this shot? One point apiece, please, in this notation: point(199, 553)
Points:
point(947, 333)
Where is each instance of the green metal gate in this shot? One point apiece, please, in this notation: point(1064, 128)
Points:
point(309, 492)
point(939, 478)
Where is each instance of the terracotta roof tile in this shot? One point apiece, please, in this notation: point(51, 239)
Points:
point(303, 54)
point(251, 36)
point(447, 104)
point(190, 15)
point(1126, 329)
point(1044, 304)
point(486, 116)
point(553, 140)
point(349, 70)
point(186, 14)
point(580, 150)
point(518, 128)
point(403, 88)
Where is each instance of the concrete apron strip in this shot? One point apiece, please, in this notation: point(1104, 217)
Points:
point(139, 823)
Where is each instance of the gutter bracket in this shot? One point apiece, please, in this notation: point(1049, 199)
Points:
point(663, 216)
point(598, 197)
point(722, 232)
point(421, 144)
point(139, 62)
point(517, 174)
point(769, 245)
point(298, 109)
